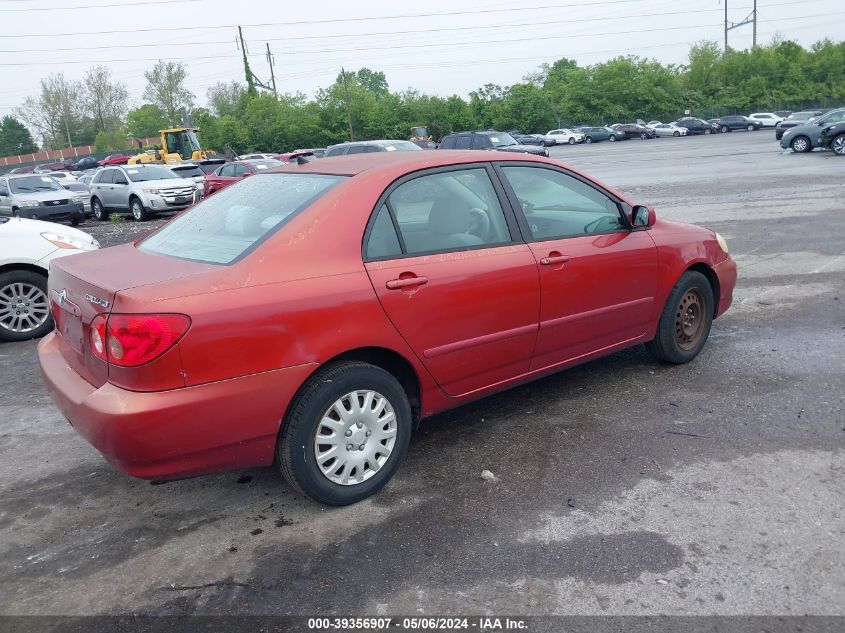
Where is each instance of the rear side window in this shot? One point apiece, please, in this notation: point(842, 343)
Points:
point(225, 226)
point(119, 178)
point(105, 176)
point(382, 241)
point(462, 142)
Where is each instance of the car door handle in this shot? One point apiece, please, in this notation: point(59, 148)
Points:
point(397, 284)
point(554, 259)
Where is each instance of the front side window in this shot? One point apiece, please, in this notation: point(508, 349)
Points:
point(557, 205)
point(448, 143)
point(225, 226)
point(449, 210)
point(463, 142)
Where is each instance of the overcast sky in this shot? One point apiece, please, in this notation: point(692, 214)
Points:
point(477, 43)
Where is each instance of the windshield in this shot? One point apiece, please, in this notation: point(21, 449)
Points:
point(188, 172)
point(502, 139)
point(225, 226)
point(143, 174)
point(32, 184)
point(401, 146)
point(267, 163)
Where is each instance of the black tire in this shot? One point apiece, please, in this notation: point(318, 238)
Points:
point(612, 139)
point(15, 213)
point(676, 133)
point(800, 144)
point(672, 343)
point(708, 131)
point(98, 210)
point(75, 221)
point(643, 135)
point(750, 128)
point(30, 278)
point(725, 129)
point(295, 446)
point(589, 139)
point(571, 140)
point(136, 208)
point(838, 145)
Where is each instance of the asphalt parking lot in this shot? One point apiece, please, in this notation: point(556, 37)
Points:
point(624, 486)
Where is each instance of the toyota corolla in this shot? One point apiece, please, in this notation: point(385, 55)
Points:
point(311, 315)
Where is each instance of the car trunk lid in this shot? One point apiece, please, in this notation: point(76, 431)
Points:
point(84, 286)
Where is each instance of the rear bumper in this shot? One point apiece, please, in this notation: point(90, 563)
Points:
point(178, 433)
point(726, 273)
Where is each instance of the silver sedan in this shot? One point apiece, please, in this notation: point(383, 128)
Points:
point(667, 129)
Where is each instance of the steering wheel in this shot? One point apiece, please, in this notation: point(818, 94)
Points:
point(527, 206)
point(596, 225)
point(479, 223)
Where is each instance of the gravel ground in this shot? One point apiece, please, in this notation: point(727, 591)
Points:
point(624, 486)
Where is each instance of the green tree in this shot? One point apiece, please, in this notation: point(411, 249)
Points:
point(110, 141)
point(145, 121)
point(166, 89)
point(15, 137)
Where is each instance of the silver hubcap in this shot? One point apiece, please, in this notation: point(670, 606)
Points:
point(23, 307)
point(839, 145)
point(136, 210)
point(800, 145)
point(355, 437)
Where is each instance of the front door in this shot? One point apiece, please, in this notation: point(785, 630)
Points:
point(455, 280)
point(598, 278)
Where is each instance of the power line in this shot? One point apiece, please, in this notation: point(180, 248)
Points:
point(343, 20)
point(123, 5)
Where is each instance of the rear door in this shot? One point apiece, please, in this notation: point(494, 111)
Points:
point(454, 277)
point(120, 190)
point(598, 278)
point(103, 187)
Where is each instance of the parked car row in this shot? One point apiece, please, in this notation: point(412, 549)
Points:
point(820, 130)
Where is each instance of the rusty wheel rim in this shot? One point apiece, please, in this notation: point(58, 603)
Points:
point(689, 319)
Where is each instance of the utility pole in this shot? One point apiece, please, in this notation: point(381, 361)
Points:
point(346, 99)
point(272, 73)
point(726, 25)
point(754, 37)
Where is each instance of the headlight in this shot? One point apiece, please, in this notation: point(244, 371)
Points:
point(152, 190)
point(722, 243)
point(65, 241)
point(75, 199)
point(30, 203)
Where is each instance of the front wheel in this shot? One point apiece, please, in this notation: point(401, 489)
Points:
point(98, 210)
point(612, 139)
point(24, 307)
point(643, 135)
point(838, 145)
point(725, 129)
point(346, 433)
point(676, 133)
point(589, 139)
point(571, 140)
point(750, 128)
point(685, 322)
point(800, 144)
point(138, 211)
point(708, 131)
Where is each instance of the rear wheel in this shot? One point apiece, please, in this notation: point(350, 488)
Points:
point(138, 210)
point(24, 307)
point(589, 139)
point(98, 210)
point(346, 433)
point(685, 322)
point(838, 145)
point(725, 129)
point(800, 144)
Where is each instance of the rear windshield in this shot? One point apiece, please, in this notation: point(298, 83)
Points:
point(225, 226)
point(188, 172)
point(143, 174)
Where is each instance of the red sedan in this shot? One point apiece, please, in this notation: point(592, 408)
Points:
point(309, 315)
point(231, 173)
point(114, 159)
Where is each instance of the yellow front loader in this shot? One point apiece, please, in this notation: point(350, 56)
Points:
point(177, 144)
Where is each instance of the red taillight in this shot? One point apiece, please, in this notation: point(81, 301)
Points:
point(129, 340)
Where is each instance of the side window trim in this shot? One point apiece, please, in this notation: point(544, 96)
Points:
point(511, 221)
point(513, 200)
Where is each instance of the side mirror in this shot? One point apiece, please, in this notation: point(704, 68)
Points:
point(246, 174)
point(643, 216)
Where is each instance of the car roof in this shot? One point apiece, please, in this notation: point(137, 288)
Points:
point(398, 161)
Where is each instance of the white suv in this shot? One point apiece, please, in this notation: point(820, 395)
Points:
point(565, 135)
point(766, 119)
point(141, 190)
